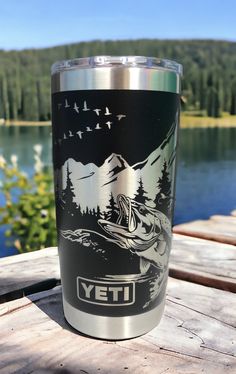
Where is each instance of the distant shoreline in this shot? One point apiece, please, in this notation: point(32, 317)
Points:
point(24, 123)
point(186, 121)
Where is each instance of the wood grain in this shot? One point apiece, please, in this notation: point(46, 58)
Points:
point(22, 271)
point(196, 335)
point(204, 262)
point(218, 228)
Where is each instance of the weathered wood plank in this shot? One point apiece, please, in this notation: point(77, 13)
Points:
point(203, 261)
point(217, 228)
point(223, 219)
point(196, 334)
point(25, 270)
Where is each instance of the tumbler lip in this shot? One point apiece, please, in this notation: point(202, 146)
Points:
point(117, 61)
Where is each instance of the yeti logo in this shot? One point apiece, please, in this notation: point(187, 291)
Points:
point(103, 293)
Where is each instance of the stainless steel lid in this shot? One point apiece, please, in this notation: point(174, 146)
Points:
point(116, 72)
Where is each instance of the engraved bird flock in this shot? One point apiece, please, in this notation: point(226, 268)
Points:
point(84, 107)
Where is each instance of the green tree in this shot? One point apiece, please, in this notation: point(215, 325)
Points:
point(233, 98)
point(30, 218)
point(5, 98)
point(213, 103)
point(202, 91)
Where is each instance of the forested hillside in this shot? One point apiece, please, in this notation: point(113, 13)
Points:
point(209, 83)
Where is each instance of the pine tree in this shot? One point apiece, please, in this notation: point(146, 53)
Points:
point(233, 98)
point(213, 103)
point(112, 213)
point(78, 213)
point(98, 212)
point(140, 195)
point(163, 197)
point(202, 91)
point(5, 98)
point(79, 210)
point(233, 103)
point(164, 183)
point(68, 194)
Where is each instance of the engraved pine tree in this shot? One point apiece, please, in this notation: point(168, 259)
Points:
point(163, 197)
point(112, 213)
point(141, 194)
point(68, 195)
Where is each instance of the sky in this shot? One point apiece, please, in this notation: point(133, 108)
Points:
point(44, 23)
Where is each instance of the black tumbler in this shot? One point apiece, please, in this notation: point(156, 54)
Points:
point(115, 125)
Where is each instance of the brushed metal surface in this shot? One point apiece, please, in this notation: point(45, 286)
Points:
point(113, 328)
point(116, 78)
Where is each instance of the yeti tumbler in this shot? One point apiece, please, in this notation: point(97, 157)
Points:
point(115, 125)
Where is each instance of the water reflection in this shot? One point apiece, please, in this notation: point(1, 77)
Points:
point(207, 174)
point(210, 144)
point(20, 141)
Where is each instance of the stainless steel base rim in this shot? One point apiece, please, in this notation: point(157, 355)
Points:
point(113, 328)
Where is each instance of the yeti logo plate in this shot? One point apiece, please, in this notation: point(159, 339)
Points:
point(104, 293)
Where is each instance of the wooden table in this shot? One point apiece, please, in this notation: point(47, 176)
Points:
point(196, 335)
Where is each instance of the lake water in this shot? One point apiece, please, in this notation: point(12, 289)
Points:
point(206, 177)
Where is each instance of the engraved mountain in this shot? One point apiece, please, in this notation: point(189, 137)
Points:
point(116, 175)
point(115, 164)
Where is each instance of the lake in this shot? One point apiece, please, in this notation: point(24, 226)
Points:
point(206, 176)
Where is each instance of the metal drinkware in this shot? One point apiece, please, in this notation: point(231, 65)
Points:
point(115, 124)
